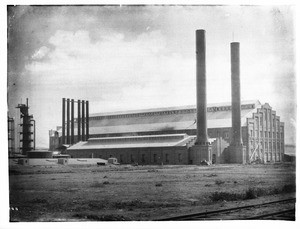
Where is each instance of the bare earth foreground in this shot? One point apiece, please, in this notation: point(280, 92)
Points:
point(88, 193)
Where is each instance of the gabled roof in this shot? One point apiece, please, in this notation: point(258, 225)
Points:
point(175, 108)
point(148, 141)
point(163, 119)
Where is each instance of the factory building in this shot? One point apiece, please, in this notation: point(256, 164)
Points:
point(236, 132)
point(262, 131)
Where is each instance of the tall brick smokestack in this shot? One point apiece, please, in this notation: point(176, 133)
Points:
point(201, 88)
point(63, 125)
point(236, 94)
point(68, 121)
point(83, 120)
point(78, 121)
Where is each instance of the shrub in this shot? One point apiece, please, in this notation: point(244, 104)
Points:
point(219, 182)
point(288, 188)
point(97, 185)
point(250, 194)
point(227, 196)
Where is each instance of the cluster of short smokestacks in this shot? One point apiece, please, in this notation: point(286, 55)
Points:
point(68, 122)
point(202, 138)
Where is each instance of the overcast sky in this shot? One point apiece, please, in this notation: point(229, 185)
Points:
point(134, 57)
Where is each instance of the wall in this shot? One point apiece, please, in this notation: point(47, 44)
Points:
point(265, 136)
point(142, 156)
point(218, 149)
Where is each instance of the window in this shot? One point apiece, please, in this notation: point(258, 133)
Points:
point(256, 121)
point(270, 136)
point(251, 133)
point(154, 158)
point(121, 158)
point(226, 134)
point(167, 158)
point(131, 158)
point(261, 134)
point(266, 134)
point(143, 158)
point(179, 157)
point(266, 146)
point(261, 119)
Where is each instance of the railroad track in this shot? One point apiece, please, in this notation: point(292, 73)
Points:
point(263, 211)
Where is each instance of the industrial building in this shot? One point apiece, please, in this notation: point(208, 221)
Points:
point(262, 131)
point(236, 132)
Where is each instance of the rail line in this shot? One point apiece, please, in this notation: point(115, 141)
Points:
point(238, 213)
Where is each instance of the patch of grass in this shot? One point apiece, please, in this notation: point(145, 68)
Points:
point(97, 205)
point(288, 188)
point(219, 182)
point(97, 185)
point(39, 201)
point(210, 175)
point(250, 193)
point(141, 204)
point(152, 171)
point(94, 217)
point(227, 196)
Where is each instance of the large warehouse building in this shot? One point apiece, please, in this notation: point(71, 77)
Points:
point(262, 133)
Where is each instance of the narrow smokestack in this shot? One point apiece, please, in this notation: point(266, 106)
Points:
point(78, 121)
point(87, 120)
point(63, 140)
point(83, 121)
point(236, 94)
point(72, 121)
point(201, 87)
point(68, 121)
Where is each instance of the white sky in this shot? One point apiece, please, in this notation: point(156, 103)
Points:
point(122, 58)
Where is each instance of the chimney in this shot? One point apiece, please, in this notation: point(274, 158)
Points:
point(87, 120)
point(63, 140)
point(83, 121)
point(78, 121)
point(72, 121)
point(236, 94)
point(202, 138)
point(68, 121)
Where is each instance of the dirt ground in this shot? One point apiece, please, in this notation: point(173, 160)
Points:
point(124, 192)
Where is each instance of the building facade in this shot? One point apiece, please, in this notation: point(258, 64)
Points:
point(262, 130)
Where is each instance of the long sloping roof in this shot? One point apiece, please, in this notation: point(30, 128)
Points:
point(148, 141)
point(163, 119)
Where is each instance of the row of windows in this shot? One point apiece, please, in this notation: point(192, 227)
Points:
point(155, 158)
point(266, 135)
point(131, 139)
point(262, 118)
point(185, 111)
point(145, 114)
point(261, 145)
